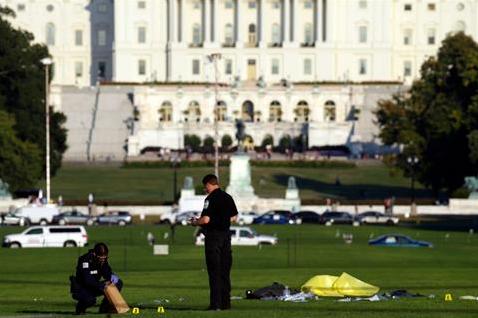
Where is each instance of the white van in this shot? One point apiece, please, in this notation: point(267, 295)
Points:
point(48, 236)
point(37, 214)
point(245, 236)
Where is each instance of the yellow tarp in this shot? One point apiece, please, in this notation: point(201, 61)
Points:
point(333, 286)
point(321, 285)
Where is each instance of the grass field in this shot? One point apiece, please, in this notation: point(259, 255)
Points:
point(35, 281)
point(153, 186)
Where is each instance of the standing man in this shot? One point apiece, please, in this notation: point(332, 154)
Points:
point(218, 213)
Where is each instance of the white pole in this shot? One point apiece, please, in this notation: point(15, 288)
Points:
point(47, 123)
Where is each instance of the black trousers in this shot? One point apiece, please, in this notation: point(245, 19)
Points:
point(219, 262)
point(87, 298)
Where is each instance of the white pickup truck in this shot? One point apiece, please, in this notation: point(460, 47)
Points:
point(48, 236)
point(242, 235)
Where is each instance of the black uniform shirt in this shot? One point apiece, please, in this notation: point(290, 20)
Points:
point(89, 272)
point(219, 207)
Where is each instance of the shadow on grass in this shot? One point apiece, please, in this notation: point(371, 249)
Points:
point(352, 191)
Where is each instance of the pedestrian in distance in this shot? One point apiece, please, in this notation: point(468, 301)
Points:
point(93, 275)
point(216, 217)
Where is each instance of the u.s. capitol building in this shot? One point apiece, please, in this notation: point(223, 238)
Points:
point(286, 67)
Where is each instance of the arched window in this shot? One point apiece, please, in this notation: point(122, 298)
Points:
point(275, 33)
point(302, 111)
point(330, 111)
point(221, 110)
point(197, 34)
point(166, 112)
point(228, 34)
point(275, 111)
point(248, 111)
point(194, 112)
point(50, 34)
point(252, 34)
point(308, 33)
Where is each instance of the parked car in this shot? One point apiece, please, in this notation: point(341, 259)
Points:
point(398, 240)
point(336, 218)
point(73, 217)
point(184, 217)
point(307, 216)
point(273, 218)
point(48, 236)
point(246, 217)
point(37, 214)
point(374, 217)
point(241, 235)
point(120, 218)
point(12, 219)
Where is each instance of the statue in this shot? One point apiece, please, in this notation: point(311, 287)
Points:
point(4, 193)
point(471, 183)
point(240, 135)
point(188, 183)
point(291, 184)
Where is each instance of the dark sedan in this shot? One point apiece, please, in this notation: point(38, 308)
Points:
point(307, 216)
point(398, 240)
point(336, 218)
point(273, 218)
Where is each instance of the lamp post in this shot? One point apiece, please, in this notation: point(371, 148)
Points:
point(214, 58)
point(47, 62)
point(412, 161)
point(175, 161)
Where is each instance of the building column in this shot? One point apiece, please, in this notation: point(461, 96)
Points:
point(181, 21)
point(215, 27)
point(324, 20)
point(175, 20)
point(261, 17)
point(170, 20)
point(237, 24)
point(296, 30)
point(207, 21)
point(286, 21)
point(317, 21)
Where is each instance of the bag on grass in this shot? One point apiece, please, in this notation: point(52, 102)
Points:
point(274, 290)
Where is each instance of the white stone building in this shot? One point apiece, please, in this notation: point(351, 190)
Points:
point(304, 42)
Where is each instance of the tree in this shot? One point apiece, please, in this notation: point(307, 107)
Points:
point(268, 140)
point(226, 141)
point(208, 144)
point(193, 142)
point(22, 90)
point(437, 120)
point(20, 161)
point(285, 143)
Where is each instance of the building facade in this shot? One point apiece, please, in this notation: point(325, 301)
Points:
point(286, 67)
point(298, 40)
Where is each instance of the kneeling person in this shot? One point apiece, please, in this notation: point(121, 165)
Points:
point(93, 275)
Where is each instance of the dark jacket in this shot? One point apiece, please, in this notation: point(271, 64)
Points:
point(89, 272)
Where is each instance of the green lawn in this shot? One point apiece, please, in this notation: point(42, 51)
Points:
point(35, 281)
point(153, 186)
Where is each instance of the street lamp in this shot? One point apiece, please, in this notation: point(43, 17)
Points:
point(175, 161)
point(412, 161)
point(214, 58)
point(47, 62)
